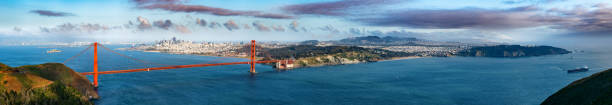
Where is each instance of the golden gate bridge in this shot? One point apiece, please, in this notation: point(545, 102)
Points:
point(252, 61)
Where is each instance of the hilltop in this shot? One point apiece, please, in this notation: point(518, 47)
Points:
point(593, 90)
point(49, 83)
point(310, 55)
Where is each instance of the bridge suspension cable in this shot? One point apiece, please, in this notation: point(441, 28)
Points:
point(132, 58)
point(79, 54)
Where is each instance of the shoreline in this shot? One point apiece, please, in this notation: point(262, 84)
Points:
point(162, 52)
point(403, 58)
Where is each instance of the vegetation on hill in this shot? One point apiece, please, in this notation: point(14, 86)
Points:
point(593, 90)
point(512, 51)
point(45, 84)
point(304, 51)
point(310, 55)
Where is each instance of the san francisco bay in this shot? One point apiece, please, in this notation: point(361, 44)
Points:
point(434, 80)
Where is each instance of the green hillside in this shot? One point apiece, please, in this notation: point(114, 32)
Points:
point(593, 90)
point(45, 84)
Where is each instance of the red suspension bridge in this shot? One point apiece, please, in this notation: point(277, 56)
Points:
point(96, 72)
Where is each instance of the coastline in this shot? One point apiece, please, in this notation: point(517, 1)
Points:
point(403, 58)
point(155, 51)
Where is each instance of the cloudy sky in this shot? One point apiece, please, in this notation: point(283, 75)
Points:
point(295, 20)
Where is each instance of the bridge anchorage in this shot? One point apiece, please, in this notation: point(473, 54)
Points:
point(280, 64)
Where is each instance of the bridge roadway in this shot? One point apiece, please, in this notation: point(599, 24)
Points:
point(174, 67)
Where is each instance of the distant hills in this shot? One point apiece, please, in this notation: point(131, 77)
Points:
point(593, 90)
point(512, 51)
point(382, 41)
point(376, 41)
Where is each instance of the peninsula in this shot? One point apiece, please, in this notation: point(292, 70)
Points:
point(511, 51)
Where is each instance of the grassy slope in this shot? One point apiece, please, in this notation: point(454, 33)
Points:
point(50, 83)
point(593, 90)
point(59, 73)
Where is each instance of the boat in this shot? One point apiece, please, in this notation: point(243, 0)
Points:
point(583, 69)
point(54, 51)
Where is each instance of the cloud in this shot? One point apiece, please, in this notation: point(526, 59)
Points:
point(278, 28)
point(597, 20)
point(51, 13)
point(144, 23)
point(294, 26)
point(92, 27)
point(163, 24)
point(260, 26)
point(356, 31)
point(531, 1)
point(182, 29)
point(176, 6)
point(214, 25)
point(17, 29)
point(334, 8)
point(330, 28)
point(231, 25)
point(69, 28)
point(601, 5)
point(246, 26)
point(145, 2)
point(518, 17)
point(201, 22)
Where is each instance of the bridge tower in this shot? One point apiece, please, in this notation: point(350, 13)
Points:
point(252, 57)
point(95, 65)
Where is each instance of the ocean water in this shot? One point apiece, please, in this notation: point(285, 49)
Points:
point(435, 81)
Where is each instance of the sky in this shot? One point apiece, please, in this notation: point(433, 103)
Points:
point(505, 21)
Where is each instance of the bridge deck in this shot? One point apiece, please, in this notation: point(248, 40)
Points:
point(173, 67)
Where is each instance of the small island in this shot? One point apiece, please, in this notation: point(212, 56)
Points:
point(593, 90)
point(511, 51)
point(44, 84)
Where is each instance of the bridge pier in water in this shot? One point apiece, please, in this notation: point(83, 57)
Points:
point(252, 71)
